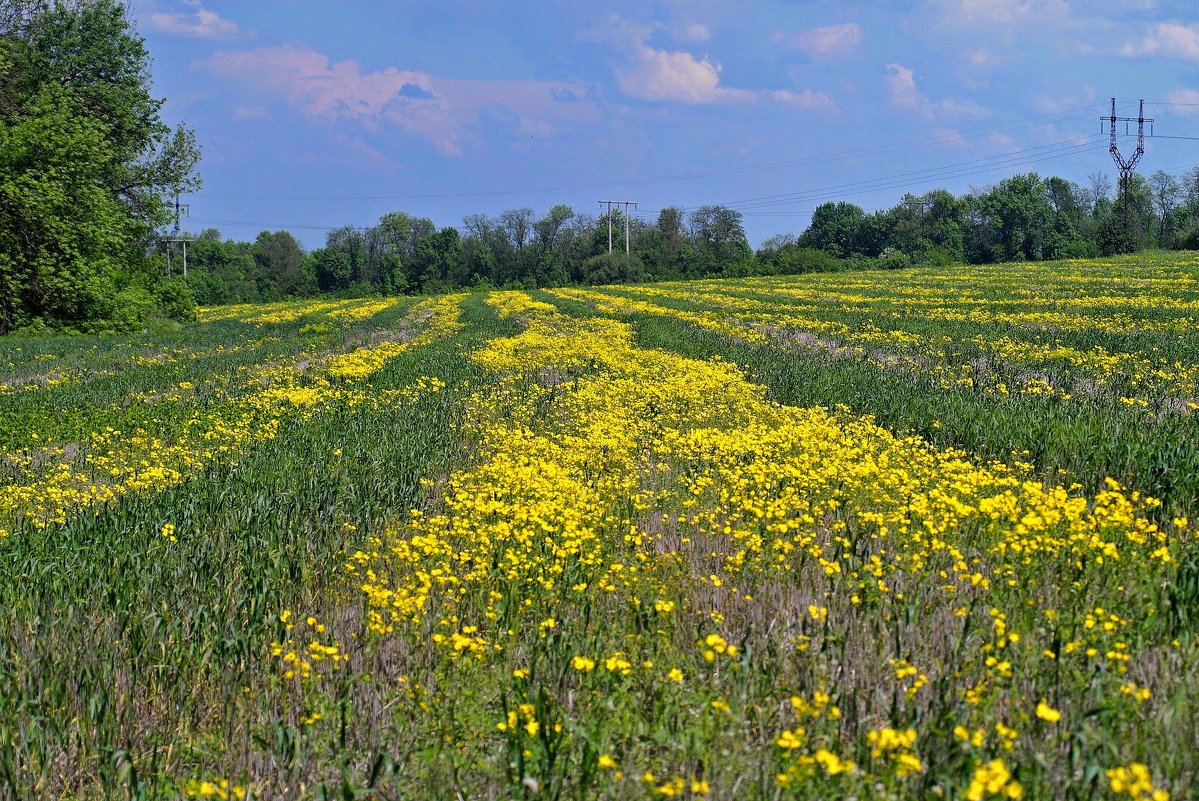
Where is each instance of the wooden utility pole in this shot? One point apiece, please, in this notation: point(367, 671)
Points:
point(626, 204)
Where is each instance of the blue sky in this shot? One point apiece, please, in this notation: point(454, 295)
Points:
point(313, 115)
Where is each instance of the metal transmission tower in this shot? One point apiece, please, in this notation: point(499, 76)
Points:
point(1127, 167)
point(626, 204)
point(181, 210)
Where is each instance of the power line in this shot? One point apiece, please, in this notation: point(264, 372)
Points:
point(760, 206)
point(968, 133)
point(963, 169)
point(1129, 165)
point(757, 206)
point(1014, 158)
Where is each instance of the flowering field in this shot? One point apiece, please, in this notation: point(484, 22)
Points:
point(909, 534)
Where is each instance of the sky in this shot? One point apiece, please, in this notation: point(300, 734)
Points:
point(314, 115)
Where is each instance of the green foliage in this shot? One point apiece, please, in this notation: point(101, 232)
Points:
point(84, 163)
point(132, 307)
point(61, 229)
point(176, 300)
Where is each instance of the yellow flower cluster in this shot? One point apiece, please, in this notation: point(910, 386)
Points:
point(363, 311)
point(50, 484)
point(993, 780)
point(604, 470)
point(221, 789)
point(1019, 353)
point(1135, 781)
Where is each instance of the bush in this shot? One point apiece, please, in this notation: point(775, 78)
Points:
point(1190, 240)
point(176, 300)
point(794, 260)
point(940, 257)
point(132, 307)
point(892, 259)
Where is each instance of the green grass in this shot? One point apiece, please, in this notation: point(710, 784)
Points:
point(118, 646)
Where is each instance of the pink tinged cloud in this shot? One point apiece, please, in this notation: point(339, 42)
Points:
point(199, 24)
point(901, 86)
point(903, 93)
point(435, 109)
point(676, 76)
point(805, 99)
point(693, 32)
point(1002, 12)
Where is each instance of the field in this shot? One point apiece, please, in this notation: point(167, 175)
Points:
point(922, 533)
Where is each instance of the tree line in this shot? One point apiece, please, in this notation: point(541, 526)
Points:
point(407, 254)
point(1024, 217)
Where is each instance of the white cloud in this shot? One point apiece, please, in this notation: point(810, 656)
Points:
point(649, 73)
point(981, 57)
point(1055, 104)
point(667, 76)
point(901, 86)
point(1187, 100)
point(249, 113)
point(1168, 39)
point(903, 92)
point(951, 137)
point(1003, 142)
point(1001, 12)
point(827, 42)
point(198, 24)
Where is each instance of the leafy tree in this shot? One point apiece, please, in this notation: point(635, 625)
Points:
point(85, 162)
point(63, 232)
point(1167, 191)
point(836, 229)
point(719, 239)
point(221, 272)
point(333, 268)
point(439, 260)
point(281, 268)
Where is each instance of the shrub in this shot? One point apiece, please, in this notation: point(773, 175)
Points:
point(132, 307)
point(176, 300)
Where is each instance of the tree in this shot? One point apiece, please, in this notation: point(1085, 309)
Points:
point(1101, 188)
point(63, 232)
point(85, 162)
point(90, 50)
point(1123, 228)
point(719, 238)
point(222, 272)
point(392, 252)
point(835, 228)
point(333, 268)
point(439, 259)
point(1166, 192)
point(281, 266)
point(549, 228)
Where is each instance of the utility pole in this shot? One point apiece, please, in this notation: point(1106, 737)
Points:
point(1127, 167)
point(626, 204)
point(181, 210)
point(917, 207)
